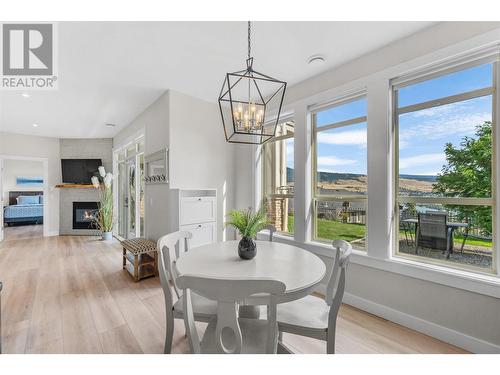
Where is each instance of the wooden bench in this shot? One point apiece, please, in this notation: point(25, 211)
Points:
point(142, 258)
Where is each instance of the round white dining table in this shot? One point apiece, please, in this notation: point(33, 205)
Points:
point(299, 269)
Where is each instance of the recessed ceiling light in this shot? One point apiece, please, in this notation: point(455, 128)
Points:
point(110, 125)
point(25, 95)
point(316, 60)
point(35, 125)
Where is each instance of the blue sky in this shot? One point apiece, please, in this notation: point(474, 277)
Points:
point(422, 134)
point(342, 150)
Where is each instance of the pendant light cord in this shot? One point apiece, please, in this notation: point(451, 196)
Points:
point(249, 50)
point(249, 40)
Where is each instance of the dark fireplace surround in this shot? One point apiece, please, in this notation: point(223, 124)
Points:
point(83, 214)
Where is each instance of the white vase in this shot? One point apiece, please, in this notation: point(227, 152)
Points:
point(107, 236)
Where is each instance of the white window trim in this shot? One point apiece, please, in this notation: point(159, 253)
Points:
point(434, 69)
point(488, 285)
point(379, 108)
point(259, 166)
point(488, 56)
point(313, 111)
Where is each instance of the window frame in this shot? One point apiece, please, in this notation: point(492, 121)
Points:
point(282, 120)
point(426, 75)
point(377, 86)
point(313, 111)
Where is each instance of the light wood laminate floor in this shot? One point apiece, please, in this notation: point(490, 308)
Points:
point(17, 232)
point(70, 295)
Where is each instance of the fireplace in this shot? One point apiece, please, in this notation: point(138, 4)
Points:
point(84, 214)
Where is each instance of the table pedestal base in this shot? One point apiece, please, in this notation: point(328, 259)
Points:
point(249, 312)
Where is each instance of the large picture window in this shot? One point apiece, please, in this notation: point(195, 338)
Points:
point(278, 178)
point(340, 172)
point(444, 131)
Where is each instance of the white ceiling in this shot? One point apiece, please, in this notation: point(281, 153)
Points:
point(111, 71)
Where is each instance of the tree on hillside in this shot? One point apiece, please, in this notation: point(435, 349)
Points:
point(468, 174)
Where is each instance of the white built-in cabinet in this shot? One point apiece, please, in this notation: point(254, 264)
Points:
point(197, 213)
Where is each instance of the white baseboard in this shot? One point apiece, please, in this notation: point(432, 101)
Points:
point(472, 344)
point(448, 335)
point(53, 233)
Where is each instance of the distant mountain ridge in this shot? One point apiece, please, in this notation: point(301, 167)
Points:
point(333, 177)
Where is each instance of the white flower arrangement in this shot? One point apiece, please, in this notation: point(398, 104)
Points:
point(104, 219)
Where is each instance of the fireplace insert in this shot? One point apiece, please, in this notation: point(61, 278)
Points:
point(84, 214)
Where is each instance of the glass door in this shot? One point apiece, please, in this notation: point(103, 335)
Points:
point(122, 200)
point(130, 194)
point(142, 184)
point(131, 198)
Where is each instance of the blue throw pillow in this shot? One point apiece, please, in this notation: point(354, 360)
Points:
point(28, 199)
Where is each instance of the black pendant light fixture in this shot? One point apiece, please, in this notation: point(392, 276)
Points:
point(243, 101)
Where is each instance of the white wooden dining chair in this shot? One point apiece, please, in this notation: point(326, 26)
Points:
point(272, 229)
point(226, 333)
point(313, 316)
point(169, 250)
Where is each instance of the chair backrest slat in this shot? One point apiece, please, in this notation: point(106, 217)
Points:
point(343, 250)
point(335, 288)
point(433, 224)
point(228, 293)
point(169, 250)
point(272, 229)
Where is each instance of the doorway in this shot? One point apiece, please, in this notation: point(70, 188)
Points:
point(23, 190)
point(130, 190)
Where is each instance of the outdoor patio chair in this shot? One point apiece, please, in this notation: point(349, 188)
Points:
point(405, 226)
point(433, 231)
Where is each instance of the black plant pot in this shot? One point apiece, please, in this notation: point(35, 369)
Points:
point(247, 248)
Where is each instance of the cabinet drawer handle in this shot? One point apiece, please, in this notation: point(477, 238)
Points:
point(199, 199)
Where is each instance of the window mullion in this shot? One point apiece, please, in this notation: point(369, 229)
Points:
point(446, 100)
point(340, 124)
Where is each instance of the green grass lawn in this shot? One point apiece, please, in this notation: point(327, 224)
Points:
point(457, 240)
point(330, 230)
point(472, 241)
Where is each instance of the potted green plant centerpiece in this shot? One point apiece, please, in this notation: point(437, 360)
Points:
point(248, 225)
point(104, 217)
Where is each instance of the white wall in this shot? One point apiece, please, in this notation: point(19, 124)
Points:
point(153, 123)
point(39, 147)
point(20, 168)
point(457, 307)
point(156, 122)
point(85, 148)
point(419, 44)
point(200, 157)
point(131, 131)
